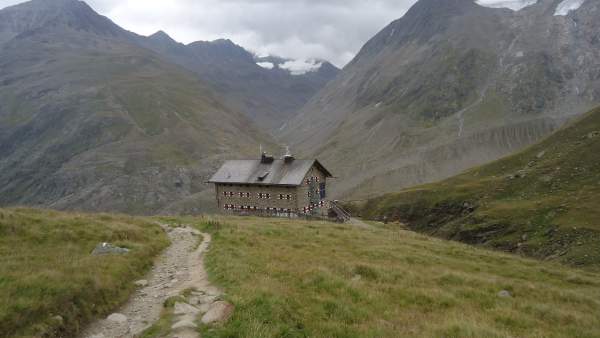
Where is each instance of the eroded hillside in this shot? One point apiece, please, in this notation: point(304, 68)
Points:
point(449, 86)
point(542, 202)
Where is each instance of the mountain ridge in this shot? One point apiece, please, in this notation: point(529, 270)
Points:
point(268, 96)
point(411, 98)
point(93, 121)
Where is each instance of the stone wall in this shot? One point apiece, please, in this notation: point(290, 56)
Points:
point(303, 190)
point(254, 199)
point(251, 196)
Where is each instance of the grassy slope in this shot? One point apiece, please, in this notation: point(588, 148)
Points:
point(312, 279)
point(46, 268)
point(542, 202)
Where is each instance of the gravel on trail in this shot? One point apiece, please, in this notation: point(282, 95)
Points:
point(180, 267)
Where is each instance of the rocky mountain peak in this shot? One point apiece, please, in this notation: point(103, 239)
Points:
point(161, 41)
point(45, 15)
point(223, 49)
point(161, 36)
point(425, 19)
point(329, 69)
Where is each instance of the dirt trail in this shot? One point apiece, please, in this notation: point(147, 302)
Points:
point(179, 268)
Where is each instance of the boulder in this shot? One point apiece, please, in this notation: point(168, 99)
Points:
point(183, 325)
point(185, 309)
point(504, 294)
point(204, 308)
point(218, 312)
point(58, 319)
point(117, 318)
point(108, 249)
point(208, 299)
point(141, 283)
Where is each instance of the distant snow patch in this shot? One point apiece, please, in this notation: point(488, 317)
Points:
point(266, 65)
point(515, 5)
point(567, 6)
point(301, 67)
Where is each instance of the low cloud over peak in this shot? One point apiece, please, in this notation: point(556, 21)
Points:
point(332, 30)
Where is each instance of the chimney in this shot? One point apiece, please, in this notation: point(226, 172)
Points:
point(266, 159)
point(288, 157)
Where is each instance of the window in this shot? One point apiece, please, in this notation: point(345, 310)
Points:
point(229, 207)
point(307, 209)
point(285, 197)
point(322, 190)
point(244, 194)
point(228, 193)
point(263, 195)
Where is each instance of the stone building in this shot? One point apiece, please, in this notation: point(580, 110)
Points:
point(269, 186)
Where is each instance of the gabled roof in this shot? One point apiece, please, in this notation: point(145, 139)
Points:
point(276, 173)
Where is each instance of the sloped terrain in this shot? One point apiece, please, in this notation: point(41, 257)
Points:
point(51, 284)
point(542, 202)
point(90, 120)
point(297, 278)
point(449, 86)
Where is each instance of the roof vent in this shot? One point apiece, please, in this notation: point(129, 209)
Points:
point(288, 157)
point(266, 159)
point(263, 176)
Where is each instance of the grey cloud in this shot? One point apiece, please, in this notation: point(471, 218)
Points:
point(327, 29)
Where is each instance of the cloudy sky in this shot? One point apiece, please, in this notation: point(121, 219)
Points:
point(328, 29)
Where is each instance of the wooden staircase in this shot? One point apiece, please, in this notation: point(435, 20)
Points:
point(340, 214)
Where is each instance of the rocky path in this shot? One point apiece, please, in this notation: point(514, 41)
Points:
point(178, 269)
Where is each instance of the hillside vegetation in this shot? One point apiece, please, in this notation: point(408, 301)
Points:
point(47, 270)
point(449, 86)
point(91, 121)
point(293, 278)
point(542, 202)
